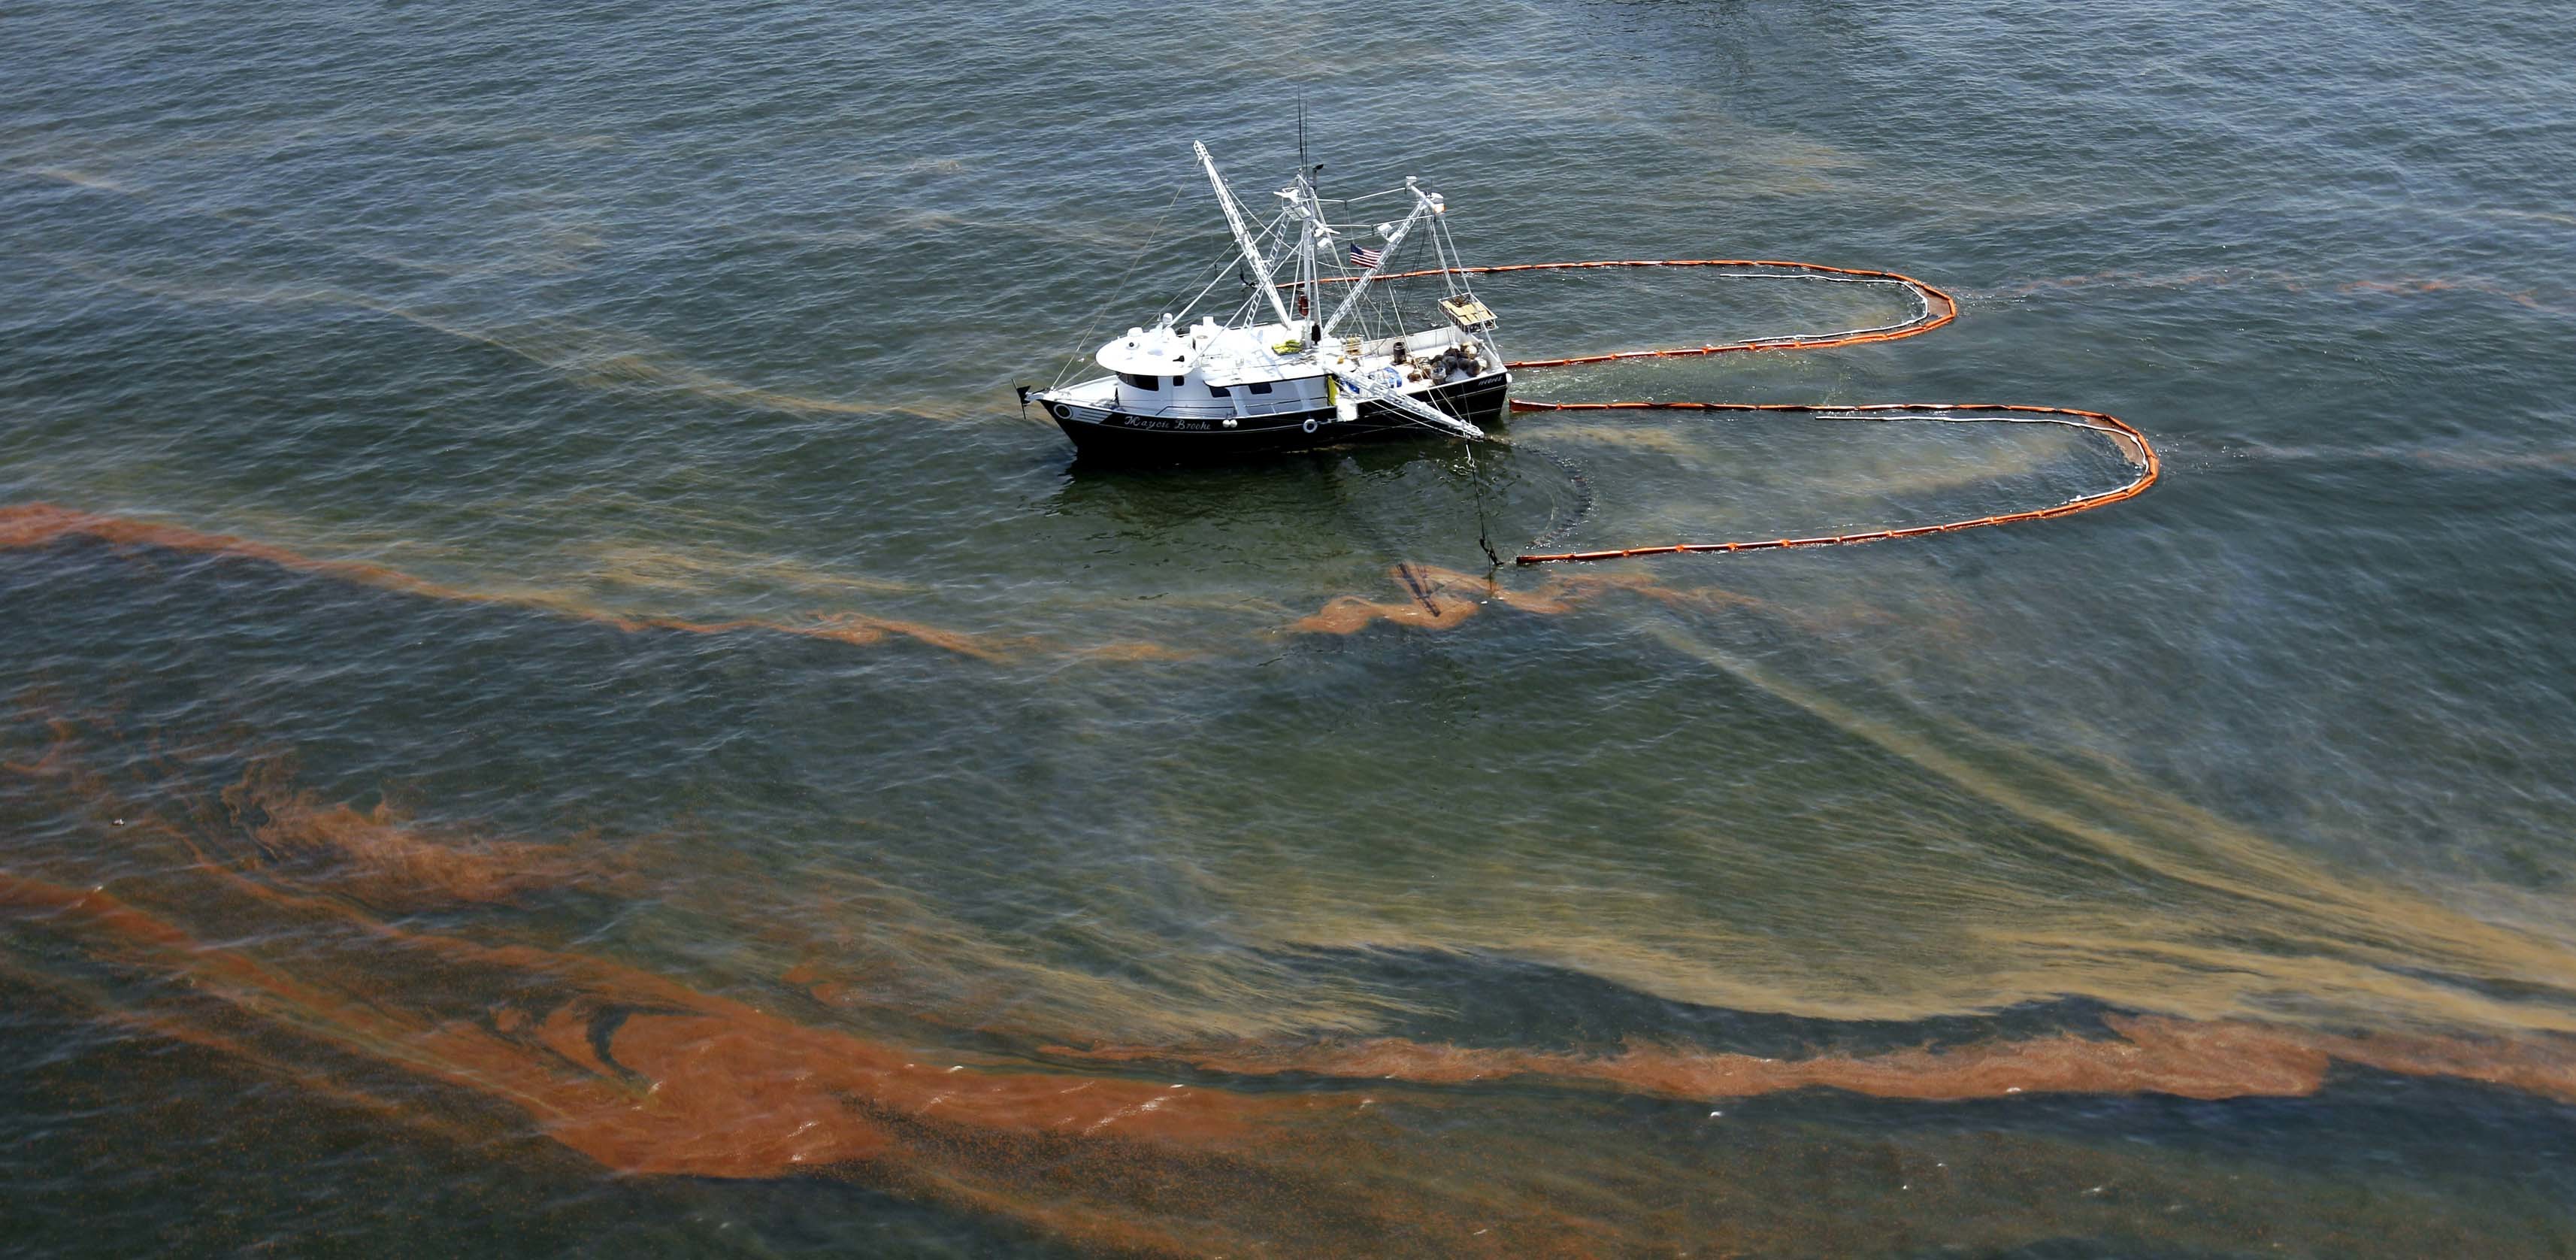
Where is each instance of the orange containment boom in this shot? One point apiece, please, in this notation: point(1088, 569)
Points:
point(2133, 444)
point(1933, 308)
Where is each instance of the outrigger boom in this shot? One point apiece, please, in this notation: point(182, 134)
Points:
point(1243, 238)
point(1423, 203)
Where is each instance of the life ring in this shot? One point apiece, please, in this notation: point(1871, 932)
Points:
point(1311, 426)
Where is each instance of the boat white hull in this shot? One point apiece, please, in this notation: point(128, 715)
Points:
point(1109, 431)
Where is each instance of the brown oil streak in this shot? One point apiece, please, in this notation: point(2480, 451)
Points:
point(30, 525)
point(1439, 598)
point(1132, 651)
point(385, 860)
point(690, 1083)
point(2151, 1054)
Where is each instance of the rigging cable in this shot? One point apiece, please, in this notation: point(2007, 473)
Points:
point(1121, 292)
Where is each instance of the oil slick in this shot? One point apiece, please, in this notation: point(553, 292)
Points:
point(2148, 1054)
point(2292, 282)
point(586, 357)
point(243, 950)
point(1435, 598)
point(30, 525)
point(269, 925)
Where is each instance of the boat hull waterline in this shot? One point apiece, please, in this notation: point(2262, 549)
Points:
point(1111, 432)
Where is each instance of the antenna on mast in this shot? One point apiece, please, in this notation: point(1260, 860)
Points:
point(1301, 131)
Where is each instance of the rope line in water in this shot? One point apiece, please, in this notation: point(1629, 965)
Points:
point(1933, 309)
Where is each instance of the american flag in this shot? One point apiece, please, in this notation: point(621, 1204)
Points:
point(1366, 257)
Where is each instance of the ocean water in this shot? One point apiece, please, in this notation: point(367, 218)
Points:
point(556, 704)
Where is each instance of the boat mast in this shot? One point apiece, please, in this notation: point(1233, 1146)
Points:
point(1243, 234)
point(1312, 212)
point(1302, 196)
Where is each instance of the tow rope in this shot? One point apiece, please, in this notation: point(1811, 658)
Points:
point(1933, 308)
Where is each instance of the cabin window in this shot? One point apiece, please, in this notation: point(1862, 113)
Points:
point(1140, 382)
point(1176, 382)
point(1260, 387)
point(1216, 391)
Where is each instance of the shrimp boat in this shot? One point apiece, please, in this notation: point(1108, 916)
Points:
point(1328, 345)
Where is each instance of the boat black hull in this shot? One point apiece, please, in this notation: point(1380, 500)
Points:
point(1482, 402)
